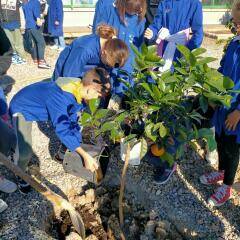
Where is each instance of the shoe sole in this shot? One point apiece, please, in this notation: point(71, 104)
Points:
point(44, 67)
point(174, 170)
point(209, 184)
point(213, 204)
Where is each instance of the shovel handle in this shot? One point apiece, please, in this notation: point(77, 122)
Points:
point(99, 175)
point(36, 185)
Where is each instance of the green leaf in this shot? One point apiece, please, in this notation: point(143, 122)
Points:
point(156, 92)
point(162, 130)
point(152, 49)
point(101, 113)
point(144, 49)
point(140, 64)
point(149, 132)
point(107, 126)
point(136, 52)
point(198, 51)
point(182, 134)
point(85, 118)
point(211, 143)
point(168, 158)
point(228, 83)
point(120, 118)
point(206, 60)
point(171, 79)
point(161, 85)
point(130, 138)
point(191, 59)
point(152, 57)
point(146, 86)
point(181, 70)
point(203, 103)
point(144, 148)
point(93, 105)
point(180, 151)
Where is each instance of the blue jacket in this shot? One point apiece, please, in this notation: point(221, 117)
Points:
point(55, 13)
point(82, 55)
point(3, 103)
point(32, 11)
point(45, 101)
point(132, 32)
point(178, 15)
point(230, 67)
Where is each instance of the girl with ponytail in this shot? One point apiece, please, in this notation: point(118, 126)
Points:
point(128, 17)
point(86, 52)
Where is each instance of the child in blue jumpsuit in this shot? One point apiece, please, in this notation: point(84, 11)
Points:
point(175, 18)
point(128, 17)
point(226, 122)
point(57, 102)
point(32, 14)
point(100, 49)
point(55, 23)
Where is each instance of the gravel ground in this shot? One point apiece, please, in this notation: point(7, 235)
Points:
point(182, 201)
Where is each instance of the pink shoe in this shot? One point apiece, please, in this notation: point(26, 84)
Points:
point(221, 195)
point(212, 178)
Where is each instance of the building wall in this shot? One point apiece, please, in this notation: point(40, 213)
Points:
point(82, 17)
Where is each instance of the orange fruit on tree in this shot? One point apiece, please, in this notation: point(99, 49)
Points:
point(157, 151)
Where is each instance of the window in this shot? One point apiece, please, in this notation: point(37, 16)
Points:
point(217, 3)
point(79, 3)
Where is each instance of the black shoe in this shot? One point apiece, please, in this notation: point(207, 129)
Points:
point(162, 176)
point(23, 186)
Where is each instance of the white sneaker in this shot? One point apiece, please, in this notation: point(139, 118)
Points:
point(7, 186)
point(212, 157)
point(3, 206)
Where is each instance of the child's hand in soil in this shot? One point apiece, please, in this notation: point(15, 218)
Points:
point(232, 120)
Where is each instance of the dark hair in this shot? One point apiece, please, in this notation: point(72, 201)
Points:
point(138, 7)
point(116, 51)
point(99, 78)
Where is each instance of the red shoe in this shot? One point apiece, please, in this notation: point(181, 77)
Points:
point(35, 61)
point(212, 178)
point(221, 196)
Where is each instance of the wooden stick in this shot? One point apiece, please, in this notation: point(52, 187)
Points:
point(122, 186)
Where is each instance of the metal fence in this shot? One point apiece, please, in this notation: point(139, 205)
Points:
point(91, 3)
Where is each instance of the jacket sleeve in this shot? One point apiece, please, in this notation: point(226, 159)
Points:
point(140, 38)
point(158, 21)
point(37, 9)
point(68, 131)
point(75, 63)
point(119, 76)
point(70, 63)
point(220, 69)
point(59, 11)
point(100, 15)
point(197, 27)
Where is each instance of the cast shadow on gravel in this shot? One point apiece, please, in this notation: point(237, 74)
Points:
point(54, 143)
point(229, 211)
